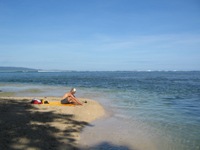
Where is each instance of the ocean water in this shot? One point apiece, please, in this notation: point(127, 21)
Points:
point(148, 110)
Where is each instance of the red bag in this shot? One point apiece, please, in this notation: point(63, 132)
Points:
point(36, 101)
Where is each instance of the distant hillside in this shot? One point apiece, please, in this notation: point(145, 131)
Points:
point(17, 69)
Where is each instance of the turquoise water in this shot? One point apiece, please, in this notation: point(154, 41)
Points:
point(160, 109)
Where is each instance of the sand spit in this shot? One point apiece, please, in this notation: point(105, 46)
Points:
point(39, 127)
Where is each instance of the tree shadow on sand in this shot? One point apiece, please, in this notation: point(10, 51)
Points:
point(23, 126)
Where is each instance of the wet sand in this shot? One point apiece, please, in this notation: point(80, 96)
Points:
point(39, 127)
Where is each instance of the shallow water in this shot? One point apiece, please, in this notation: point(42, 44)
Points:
point(149, 110)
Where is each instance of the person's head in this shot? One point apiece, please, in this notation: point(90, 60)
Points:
point(73, 91)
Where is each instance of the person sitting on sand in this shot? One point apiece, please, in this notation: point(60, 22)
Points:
point(70, 98)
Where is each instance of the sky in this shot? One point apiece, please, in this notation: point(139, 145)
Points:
point(100, 35)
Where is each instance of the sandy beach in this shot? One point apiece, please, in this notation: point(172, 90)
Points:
point(37, 127)
point(141, 111)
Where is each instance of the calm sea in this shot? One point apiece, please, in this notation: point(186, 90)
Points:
point(148, 110)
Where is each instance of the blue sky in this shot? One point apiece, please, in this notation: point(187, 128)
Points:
point(100, 34)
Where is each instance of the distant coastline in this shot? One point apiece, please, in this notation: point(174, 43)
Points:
point(17, 69)
point(24, 69)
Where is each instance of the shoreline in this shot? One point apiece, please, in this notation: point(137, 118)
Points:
point(36, 126)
